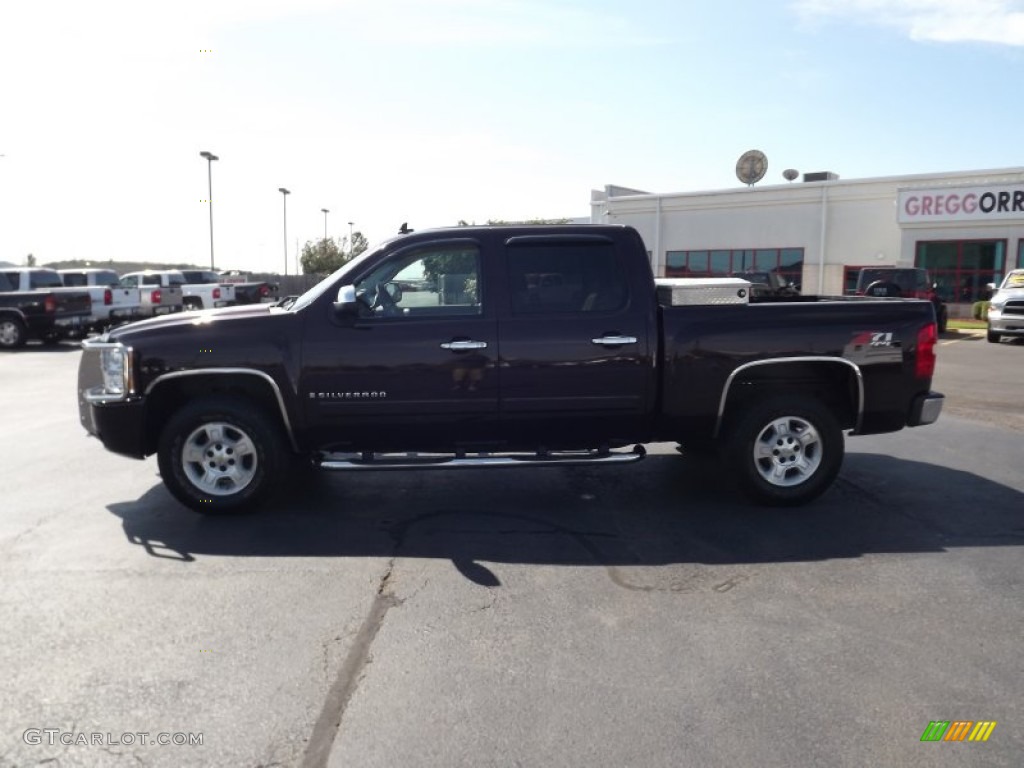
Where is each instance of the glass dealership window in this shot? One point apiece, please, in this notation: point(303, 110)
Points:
point(962, 268)
point(787, 262)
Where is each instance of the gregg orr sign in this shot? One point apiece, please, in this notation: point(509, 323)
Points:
point(961, 204)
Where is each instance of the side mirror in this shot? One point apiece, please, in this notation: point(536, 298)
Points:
point(990, 286)
point(345, 303)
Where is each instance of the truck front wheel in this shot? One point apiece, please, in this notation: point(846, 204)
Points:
point(786, 450)
point(220, 455)
point(12, 333)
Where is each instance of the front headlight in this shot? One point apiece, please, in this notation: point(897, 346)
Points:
point(114, 366)
point(106, 373)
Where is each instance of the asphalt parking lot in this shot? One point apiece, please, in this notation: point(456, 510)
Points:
point(642, 615)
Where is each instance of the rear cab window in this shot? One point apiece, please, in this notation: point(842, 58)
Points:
point(571, 275)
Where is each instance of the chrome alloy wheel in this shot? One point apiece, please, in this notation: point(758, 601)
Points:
point(10, 333)
point(787, 451)
point(219, 458)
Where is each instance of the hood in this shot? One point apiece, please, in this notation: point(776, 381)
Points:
point(208, 317)
point(1011, 292)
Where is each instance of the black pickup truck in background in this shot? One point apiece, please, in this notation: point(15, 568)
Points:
point(32, 307)
point(522, 346)
point(250, 291)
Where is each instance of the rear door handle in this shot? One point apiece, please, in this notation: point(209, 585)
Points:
point(458, 346)
point(614, 341)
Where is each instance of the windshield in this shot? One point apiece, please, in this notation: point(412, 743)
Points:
point(324, 285)
point(1014, 279)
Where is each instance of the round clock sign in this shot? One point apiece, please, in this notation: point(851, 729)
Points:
point(752, 166)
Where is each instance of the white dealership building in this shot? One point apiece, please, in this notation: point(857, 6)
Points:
point(966, 228)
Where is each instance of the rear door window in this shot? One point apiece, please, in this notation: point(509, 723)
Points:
point(565, 277)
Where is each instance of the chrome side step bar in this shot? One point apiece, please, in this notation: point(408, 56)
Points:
point(367, 460)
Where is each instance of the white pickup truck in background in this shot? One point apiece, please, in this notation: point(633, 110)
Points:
point(204, 289)
point(112, 303)
point(159, 291)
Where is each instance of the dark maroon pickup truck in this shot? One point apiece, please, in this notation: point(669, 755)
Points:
point(508, 346)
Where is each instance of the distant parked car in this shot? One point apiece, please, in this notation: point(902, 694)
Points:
point(906, 282)
point(159, 290)
point(111, 303)
point(769, 283)
point(204, 289)
point(35, 303)
point(1006, 310)
point(249, 291)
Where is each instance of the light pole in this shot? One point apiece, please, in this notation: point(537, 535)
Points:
point(284, 196)
point(210, 157)
point(325, 221)
point(350, 235)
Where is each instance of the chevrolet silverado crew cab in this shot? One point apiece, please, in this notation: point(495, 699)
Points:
point(520, 346)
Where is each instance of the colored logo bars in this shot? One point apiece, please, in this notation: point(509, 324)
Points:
point(958, 730)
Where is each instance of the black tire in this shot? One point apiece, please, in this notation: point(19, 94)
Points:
point(12, 333)
point(191, 303)
point(243, 448)
point(52, 339)
point(785, 451)
point(993, 338)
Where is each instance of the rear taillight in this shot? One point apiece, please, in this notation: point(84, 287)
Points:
point(216, 293)
point(155, 296)
point(264, 290)
point(924, 364)
point(108, 297)
point(50, 304)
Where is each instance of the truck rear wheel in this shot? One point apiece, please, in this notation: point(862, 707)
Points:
point(220, 455)
point(12, 333)
point(786, 450)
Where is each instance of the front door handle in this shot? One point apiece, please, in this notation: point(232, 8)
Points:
point(459, 346)
point(614, 341)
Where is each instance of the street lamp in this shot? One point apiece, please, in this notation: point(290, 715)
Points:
point(350, 234)
point(325, 221)
point(284, 196)
point(210, 157)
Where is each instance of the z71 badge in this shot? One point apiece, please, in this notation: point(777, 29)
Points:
point(873, 347)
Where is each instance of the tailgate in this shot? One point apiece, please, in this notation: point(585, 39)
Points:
point(72, 303)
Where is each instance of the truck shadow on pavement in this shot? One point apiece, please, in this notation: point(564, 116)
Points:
point(667, 510)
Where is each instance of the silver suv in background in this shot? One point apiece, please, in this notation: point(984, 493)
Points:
point(1006, 310)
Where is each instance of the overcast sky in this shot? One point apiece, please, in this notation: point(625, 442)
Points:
point(431, 111)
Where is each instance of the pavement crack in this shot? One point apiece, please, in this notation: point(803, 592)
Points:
point(326, 728)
